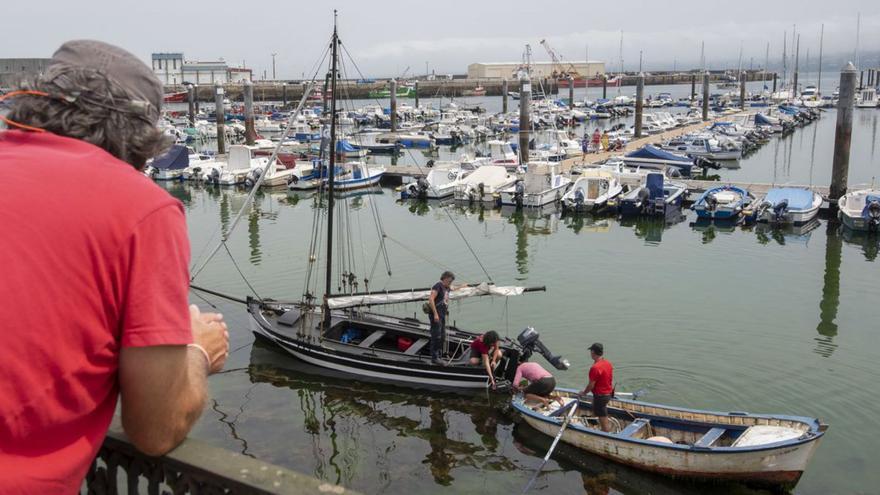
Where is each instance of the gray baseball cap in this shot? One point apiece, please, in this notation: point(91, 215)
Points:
point(120, 67)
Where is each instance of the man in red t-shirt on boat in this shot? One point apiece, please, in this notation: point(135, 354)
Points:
point(601, 379)
point(95, 283)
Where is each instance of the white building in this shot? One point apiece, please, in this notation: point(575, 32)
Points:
point(173, 69)
point(509, 70)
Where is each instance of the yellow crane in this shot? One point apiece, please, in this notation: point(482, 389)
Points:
point(560, 71)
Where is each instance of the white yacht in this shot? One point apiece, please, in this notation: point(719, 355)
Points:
point(542, 184)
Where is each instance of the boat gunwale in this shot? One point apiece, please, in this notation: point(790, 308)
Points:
point(813, 424)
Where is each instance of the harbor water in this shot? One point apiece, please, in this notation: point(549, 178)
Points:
point(722, 318)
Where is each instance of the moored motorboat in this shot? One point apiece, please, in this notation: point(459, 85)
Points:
point(784, 205)
point(439, 183)
point(655, 197)
point(860, 210)
point(169, 166)
point(357, 175)
point(592, 191)
point(686, 443)
point(722, 203)
point(483, 184)
point(541, 185)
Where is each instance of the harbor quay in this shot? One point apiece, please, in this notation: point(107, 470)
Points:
point(552, 274)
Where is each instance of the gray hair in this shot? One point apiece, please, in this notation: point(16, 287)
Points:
point(84, 104)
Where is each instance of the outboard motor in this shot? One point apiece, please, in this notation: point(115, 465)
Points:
point(421, 188)
point(711, 202)
point(644, 199)
point(530, 341)
point(873, 214)
point(780, 209)
point(253, 177)
point(214, 177)
point(519, 193)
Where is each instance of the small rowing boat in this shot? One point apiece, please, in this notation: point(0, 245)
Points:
point(686, 443)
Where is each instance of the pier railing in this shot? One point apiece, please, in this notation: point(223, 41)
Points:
point(193, 467)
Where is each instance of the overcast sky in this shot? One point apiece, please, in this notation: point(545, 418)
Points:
point(386, 37)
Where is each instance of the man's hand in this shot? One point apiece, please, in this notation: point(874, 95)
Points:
point(210, 331)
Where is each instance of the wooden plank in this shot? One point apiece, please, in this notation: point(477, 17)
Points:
point(375, 336)
point(709, 438)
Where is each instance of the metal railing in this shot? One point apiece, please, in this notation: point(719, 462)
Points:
point(193, 467)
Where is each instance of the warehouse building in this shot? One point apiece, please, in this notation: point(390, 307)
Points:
point(173, 69)
point(509, 70)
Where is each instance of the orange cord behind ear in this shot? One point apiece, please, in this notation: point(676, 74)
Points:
point(24, 92)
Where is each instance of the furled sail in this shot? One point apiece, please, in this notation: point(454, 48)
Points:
point(404, 296)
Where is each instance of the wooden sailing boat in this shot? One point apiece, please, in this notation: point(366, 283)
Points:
point(342, 335)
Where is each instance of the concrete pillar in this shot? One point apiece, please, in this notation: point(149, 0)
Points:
point(693, 88)
point(504, 96)
point(283, 95)
point(570, 92)
point(604, 86)
point(191, 100)
point(220, 112)
point(775, 76)
point(705, 96)
point(250, 131)
point(393, 105)
point(525, 99)
point(640, 96)
point(843, 132)
point(416, 89)
point(742, 90)
point(196, 91)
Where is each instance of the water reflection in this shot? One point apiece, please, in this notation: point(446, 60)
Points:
point(586, 223)
point(827, 327)
point(799, 234)
point(870, 243)
point(709, 229)
point(651, 228)
point(254, 233)
point(335, 406)
point(528, 222)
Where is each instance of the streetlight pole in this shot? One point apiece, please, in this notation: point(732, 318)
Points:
point(273, 66)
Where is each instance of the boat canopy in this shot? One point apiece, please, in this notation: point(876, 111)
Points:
point(654, 153)
point(177, 158)
point(798, 199)
point(343, 146)
point(396, 297)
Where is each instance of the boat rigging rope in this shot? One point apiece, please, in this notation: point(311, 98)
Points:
point(224, 237)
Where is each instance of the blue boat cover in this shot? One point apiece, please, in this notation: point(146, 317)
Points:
point(654, 183)
point(343, 146)
point(761, 119)
point(654, 153)
point(798, 199)
point(177, 158)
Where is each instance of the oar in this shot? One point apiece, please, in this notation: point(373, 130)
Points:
point(565, 422)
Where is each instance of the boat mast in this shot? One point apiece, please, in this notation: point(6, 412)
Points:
point(331, 174)
point(821, 41)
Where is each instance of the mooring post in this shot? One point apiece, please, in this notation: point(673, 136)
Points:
point(250, 131)
point(196, 91)
point(191, 100)
point(284, 95)
point(640, 94)
point(570, 92)
point(525, 98)
point(705, 96)
point(742, 90)
point(843, 132)
point(504, 96)
point(604, 86)
point(393, 105)
point(416, 90)
point(693, 88)
point(861, 78)
point(220, 112)
point(775, 75)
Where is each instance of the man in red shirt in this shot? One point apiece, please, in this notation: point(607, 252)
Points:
point(94, 291)
point(601, 384)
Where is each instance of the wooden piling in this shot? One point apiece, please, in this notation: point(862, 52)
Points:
point(775, 76)
point(525, 99)
point(742, 90)
point(861, 78)
point(504, 96)
point(693, 88)
point(640, 95)
point(416, 91)
point(220, 112)
point(393, 105)
point(191, 100)
point(604, 86)
point(250, 131)
point(196, 91)
point(705, 96)
point(843, 132)
point(283, 95)
point(570, 92)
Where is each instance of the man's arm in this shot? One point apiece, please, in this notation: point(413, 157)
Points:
point(489, 369)
point(164, 388)
point(589, 388)
point(433, 306)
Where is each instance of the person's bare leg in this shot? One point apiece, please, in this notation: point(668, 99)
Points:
point(474, 361)
point(557, 399)
point(604, 423)
point(537, 398)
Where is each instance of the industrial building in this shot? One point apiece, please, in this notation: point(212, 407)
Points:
point(173, 69)
point(509, 70)
point(13, 69)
